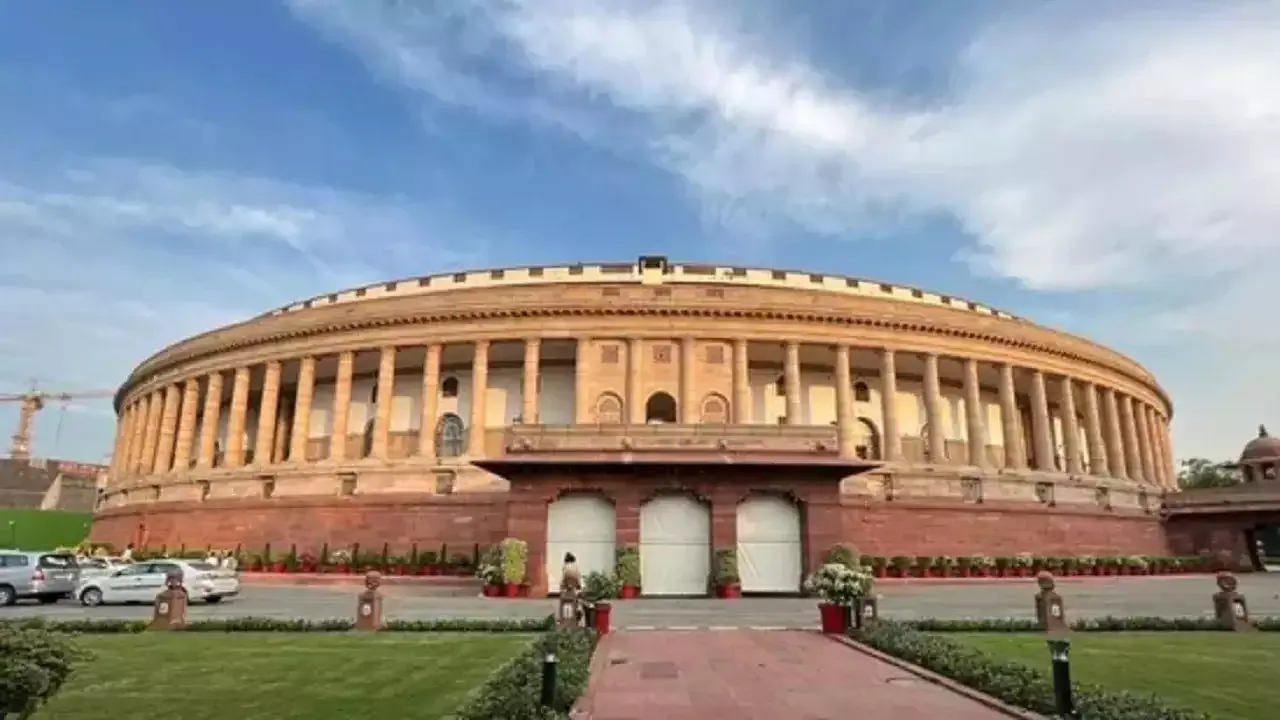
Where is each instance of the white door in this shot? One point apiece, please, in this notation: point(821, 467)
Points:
point(769, 545)
point(585, 525)
point(675, 546)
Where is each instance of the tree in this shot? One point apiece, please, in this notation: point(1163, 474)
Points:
point(1202, 473)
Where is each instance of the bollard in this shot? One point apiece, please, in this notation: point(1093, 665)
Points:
point(549, 680)
point(1229, 606)
point(170, 609)
point(1060, 655)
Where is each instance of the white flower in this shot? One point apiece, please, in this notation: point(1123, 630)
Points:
point(840, 585)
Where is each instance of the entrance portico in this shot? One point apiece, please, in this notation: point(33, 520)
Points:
point(660, 500)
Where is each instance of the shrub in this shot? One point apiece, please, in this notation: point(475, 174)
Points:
point(726, 569)
point(598, 586)
point(839, 585)
point(34, 663)
point(845, 555)
point(513, 691)
point(253, 624)
point(1011, 682)
point(628, 565)
point(515, 560)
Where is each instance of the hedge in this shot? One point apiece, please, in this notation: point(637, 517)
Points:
point(256, 624)
point(34, 663)
point(514, 691)
point(1102, 624)
point(1010, 682)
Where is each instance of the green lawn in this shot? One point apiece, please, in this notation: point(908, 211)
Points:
point(1231, 675)
point(214, 676)
point(35, 529)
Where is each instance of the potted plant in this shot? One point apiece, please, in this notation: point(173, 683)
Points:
point(597, 590)
point(839, 588)
point(901, 565)
point(490, 572)
point(879, 565)
point(728, 584)
point(923, 566)
point(515, 564)
point(945, 565)
point(981, 565)
point(628, 570)
point(845, 555)
point(1021, 564)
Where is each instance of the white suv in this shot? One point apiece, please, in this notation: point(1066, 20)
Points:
point(141, 582)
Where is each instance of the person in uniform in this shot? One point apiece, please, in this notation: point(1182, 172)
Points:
point(571, 582)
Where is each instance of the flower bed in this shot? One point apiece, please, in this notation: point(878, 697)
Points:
point(513, 691)
point(1027, 565)
point(449, 562)
point(1010, 682)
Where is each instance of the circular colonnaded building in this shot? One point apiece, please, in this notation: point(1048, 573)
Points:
point(681, 408)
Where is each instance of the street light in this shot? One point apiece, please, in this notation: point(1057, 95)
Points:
point(1060, 656)
point(13, 534)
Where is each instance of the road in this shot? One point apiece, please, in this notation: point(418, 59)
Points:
point(1167, 597)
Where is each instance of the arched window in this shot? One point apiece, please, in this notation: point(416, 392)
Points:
point(715, 410)
point(449, 388)
point(861, 393)
point(660, 408)
point(451, 436)
point(609, 409)
point(868, 447)
point(780, 386)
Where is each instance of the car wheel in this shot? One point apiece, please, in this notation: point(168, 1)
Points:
point(213, 599)
point(8, 596)
point(91, 597)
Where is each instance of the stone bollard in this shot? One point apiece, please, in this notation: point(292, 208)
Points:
point(567, 612)
point(369, 603)
point(1229, 606)
point(868, 610)
point(1050, 612)
point(170, 612)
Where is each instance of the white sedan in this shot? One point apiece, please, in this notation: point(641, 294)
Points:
point(141, 582)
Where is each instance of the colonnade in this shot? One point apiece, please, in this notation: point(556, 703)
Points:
point(1124, 437)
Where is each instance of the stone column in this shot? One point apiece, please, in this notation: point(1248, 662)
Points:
point(168, 430)
point(117, 448)
point(1116, 456)
point(155, 401)
point(688, 390)
point(582, 399)
point(430, 401)
point(529, 386)
point(142, 411)
point(936, 450)
point(1070, 426)
point(479, 406)
point(1014, 457)
point(1093, 432)
point(209, 420)
point(1166, 447)
point(121, 464)
point(187, 425)
point(386, 397)
point(238, 419)
point(341, 407)
point(975, 423)
point(1041, 435)
point(268, 408)
point(280, 445)
point(791, 381)
point(1142, 418)
point(889, 405)
point(742, 409)
point(635, 360)
point(302, 399)
point(844, 405)
point(1132, 456)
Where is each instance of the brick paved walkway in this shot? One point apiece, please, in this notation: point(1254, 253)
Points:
point(759, 675)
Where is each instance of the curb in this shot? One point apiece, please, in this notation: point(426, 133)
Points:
point(1061, 580)
point(584, 708)
point(323, 580)
point(936, 679)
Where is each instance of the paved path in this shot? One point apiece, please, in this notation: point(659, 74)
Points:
point(750, 675)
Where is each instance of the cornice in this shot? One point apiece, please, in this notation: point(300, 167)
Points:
point(543, 306)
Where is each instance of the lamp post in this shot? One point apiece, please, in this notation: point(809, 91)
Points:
point(1060, 656)
point(13, 534)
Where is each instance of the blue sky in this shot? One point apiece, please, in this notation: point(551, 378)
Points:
point(1104, 168)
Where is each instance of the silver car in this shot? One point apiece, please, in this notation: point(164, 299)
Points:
point(44, 576)
point(100, 566)
point(142, 581)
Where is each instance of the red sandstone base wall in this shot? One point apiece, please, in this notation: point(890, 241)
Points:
point(938, 528)
point(429, 521)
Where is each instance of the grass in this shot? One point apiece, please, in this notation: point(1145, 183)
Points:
point(1230, 675)
point(35, 529)
point(213, 676)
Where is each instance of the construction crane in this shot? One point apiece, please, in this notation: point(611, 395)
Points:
point(33, 401)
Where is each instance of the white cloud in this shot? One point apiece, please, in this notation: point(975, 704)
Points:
point(1132, 147)
point(108, 261)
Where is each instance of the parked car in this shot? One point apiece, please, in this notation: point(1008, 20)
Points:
point(44, 576)
point(142, 581)
point(98, 566)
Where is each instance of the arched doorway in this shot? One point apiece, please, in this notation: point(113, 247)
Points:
point(585, 525)
point(675, 546)
point(769, 545)
point(660, 408)
point(869, 440)
point(451, 436)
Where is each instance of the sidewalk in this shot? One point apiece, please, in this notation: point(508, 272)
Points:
point(764, 675)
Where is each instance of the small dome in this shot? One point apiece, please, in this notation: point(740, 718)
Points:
point(1264, 447)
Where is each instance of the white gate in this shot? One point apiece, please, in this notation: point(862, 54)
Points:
point(585, 525)
point(675, 546)
point(769, 546)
